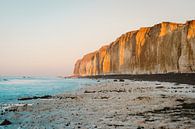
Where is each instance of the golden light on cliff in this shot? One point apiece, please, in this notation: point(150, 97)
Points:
point(191, 30)
point(140, 39)
point(124, 55)
point(167, 27)
point(106, 64)
point(121, 53)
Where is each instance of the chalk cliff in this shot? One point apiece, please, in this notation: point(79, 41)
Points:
point(162, 48)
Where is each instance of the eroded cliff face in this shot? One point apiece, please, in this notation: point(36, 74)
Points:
point(165, 47)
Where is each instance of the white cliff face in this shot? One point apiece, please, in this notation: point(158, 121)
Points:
point(165, 47)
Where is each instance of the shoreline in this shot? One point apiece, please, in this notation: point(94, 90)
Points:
point(109, 104)
point(178, 78)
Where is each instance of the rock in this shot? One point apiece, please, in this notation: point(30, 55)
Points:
point(12, 109)
point(104, 97)
point(36, 97)
point(143, 98)
point(119, 90)
point(140, 127)
point(101, 97)
point(67, 124)
point(160, 87)
point(180, 100)
point(144, 51)
point(5, 122)
point(121, 80)
point(68, 96)
point(94, 126)
point(89, 91)
point(2, 113)
point(115, 80)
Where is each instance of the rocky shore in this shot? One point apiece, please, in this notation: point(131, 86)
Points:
point(178, 78)
point(122, 104)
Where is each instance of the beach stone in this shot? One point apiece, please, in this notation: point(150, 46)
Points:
point(67, 124)
point(139, 127)
point(121, 80)
point(5, 122)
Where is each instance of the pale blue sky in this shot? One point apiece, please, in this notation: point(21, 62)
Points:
point(46, 37)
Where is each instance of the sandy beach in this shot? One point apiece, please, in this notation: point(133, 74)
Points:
point(123, 104)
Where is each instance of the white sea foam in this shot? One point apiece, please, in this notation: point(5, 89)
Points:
point(3, 107)
point(19, 81)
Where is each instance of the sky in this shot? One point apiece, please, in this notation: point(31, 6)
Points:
point(46, 37)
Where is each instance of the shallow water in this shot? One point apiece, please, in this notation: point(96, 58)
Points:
point(12, 88)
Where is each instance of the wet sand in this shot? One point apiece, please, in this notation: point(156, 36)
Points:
point(111, 104)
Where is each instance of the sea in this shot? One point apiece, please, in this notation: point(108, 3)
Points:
point(14, 87)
